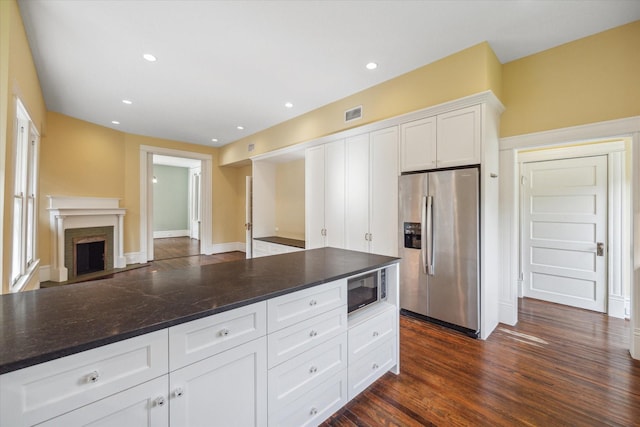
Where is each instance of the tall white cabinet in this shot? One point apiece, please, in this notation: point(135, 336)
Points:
point(372, 192)
point(325, 195)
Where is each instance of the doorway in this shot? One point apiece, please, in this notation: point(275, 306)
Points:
point(573, 213)
point(176, 206)
point(204, 207)
point(564, 224)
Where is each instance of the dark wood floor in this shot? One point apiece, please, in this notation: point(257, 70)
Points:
point(175, 247)
point(559, 366)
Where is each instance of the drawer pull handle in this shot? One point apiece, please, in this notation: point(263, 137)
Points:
point(313, 370)
point(159, 401)
point(313, 333)
point(313, 412)
point(178, 392)
point(375, 333)
point(313, 302)
point(93, 377)
point(375, 366)
point(224, 332)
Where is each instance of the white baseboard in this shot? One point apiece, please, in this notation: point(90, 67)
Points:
point(616, 306)
point(218, 248)
point(45, 273)
point(508, 314)
point(171, 233)
point(135, 258)
point(635, 344)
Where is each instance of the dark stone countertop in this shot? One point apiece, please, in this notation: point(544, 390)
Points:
point(45, 324)
point(282, 241)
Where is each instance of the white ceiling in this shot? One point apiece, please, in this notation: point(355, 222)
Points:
point(227, 63)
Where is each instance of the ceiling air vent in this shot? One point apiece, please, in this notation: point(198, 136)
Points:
point(353, 114)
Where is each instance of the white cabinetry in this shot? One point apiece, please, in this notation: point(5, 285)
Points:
point(324, 195)
point(223, 390)
point(41, 392)
point(307, 354)
point(218, 369)
point(372, 346)
point(262, 248)
point(372, 192)
point(449, 139)
point(143, 405)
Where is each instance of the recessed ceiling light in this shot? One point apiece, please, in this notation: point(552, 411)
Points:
point(214, 139)
point(149, 57)
point(126, 101)
point(288, 105)
point(371, 66)
point(115, 122)
point(240, 127)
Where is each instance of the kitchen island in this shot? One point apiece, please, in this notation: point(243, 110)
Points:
point(258, 318)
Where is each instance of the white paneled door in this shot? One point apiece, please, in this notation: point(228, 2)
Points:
point(564, 231)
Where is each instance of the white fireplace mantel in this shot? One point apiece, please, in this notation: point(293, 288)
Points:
point(66, 212)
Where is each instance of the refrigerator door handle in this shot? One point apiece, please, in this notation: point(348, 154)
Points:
point(423, 228)
point(429, 236)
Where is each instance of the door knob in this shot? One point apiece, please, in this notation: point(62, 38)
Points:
point(600, 249)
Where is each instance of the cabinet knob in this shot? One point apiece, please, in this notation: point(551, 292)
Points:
point(178, 392)
point(375, 366)
point(375, 333)
point(313, 370)
point(159, 401)
point(313, 412)
point(224, 332)
point(93, 377)
point(313, 302)
point(313, 333)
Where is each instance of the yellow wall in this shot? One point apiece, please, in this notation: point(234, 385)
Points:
point(470, 71)
point(83, 159)
point(290, 199)
point(593, 79)
point(18, 78)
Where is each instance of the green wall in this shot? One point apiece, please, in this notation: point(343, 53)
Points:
point(170, 198)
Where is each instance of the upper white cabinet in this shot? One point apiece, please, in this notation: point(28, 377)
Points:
point(372, 192)
point(324, 195)
point(450, 139)
point(418, 145)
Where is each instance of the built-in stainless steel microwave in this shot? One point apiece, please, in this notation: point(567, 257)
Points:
point(366, 289)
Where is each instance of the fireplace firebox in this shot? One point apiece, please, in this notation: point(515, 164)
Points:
point(88, 250)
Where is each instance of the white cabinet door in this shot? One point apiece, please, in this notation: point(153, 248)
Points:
point(228, 389)
point(418, 145)
point(383, 214)
point(314, 197)
point(459, 137)
point(357, 199)
point(143, 405)
point(334, 194)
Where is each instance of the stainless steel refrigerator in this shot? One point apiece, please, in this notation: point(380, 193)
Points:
point(439, 246)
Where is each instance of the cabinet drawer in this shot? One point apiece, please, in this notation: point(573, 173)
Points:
point(289, 342)
point(145, 404)
point(37, 393)
point(300, 375)
point(302, 305)
point(198, 339)
point(371, 332)
point(371, 366)
point(314, 407)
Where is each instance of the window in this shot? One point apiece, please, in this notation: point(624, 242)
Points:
point(24, 199)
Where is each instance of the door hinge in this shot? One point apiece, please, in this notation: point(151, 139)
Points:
point(522, 180)
point(521, 275)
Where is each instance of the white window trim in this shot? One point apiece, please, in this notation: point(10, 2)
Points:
point(25, 187)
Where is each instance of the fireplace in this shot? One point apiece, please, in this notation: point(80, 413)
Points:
point(86, 236)
point(87, 250)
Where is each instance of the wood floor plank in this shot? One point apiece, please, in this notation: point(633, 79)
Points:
point(559, 366)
